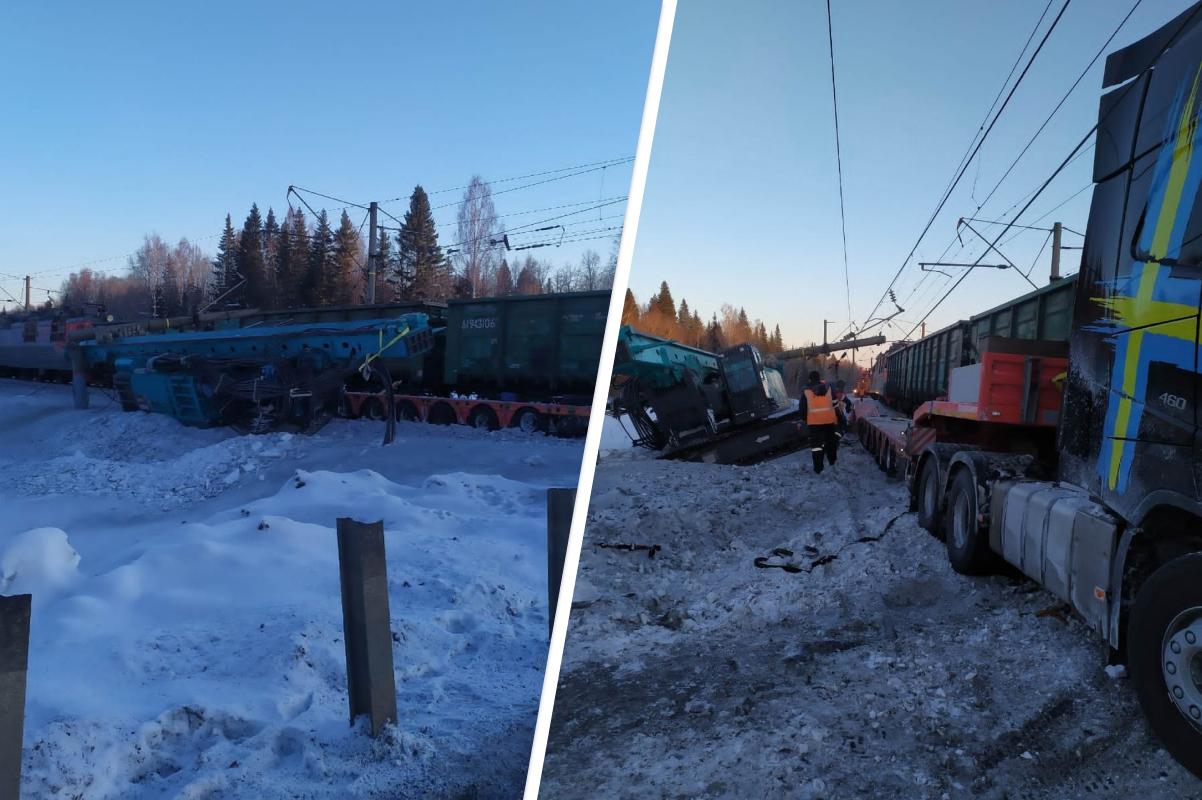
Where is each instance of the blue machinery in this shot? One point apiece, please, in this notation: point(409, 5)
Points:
point(726, 408)
point(255, 379)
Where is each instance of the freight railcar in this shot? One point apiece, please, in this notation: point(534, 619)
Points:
point(918, 372)
point(524, 361)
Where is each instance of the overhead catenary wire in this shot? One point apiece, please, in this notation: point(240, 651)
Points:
point(609, 162)
point(973, 153)
point(1038, 192)
point(574, 170)
point(1061, 103)
point(830, 35)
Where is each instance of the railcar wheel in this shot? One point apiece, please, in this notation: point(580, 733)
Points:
point(967, 542)
point(1164, 650)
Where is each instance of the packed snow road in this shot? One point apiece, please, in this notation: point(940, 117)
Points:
point(691, 673)
point(186, 635)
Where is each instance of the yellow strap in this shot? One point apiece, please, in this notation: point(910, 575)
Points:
point(373, 356)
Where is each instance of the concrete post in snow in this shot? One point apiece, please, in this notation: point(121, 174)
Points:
point(79, 376)
point(363, 572)
point(14, 662)
point(559, 523)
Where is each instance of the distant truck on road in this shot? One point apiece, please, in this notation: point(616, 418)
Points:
point(1085, 471)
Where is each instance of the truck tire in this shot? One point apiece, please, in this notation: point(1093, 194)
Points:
point(1165, 665)
point(967, 543)
point(928, 497)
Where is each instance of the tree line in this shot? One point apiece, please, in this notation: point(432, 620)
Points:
point(304, 261)
point(728, 326)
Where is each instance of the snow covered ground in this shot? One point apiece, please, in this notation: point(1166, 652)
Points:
point(186, 635)
point(690, 673)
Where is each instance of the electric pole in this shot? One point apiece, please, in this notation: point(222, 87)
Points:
point(373, 252)
point(28, 299)
point(1056, 231)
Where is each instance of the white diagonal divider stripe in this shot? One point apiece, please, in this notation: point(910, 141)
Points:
point(592, 441)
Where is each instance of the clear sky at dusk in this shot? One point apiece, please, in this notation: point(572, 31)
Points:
point(138, 117)
point(741, 202)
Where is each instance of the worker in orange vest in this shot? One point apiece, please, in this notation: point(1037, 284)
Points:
point(817, 405)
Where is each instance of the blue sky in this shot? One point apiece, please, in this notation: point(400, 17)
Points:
point(137, 117)
point(741, 203)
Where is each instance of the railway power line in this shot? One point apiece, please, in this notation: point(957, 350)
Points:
point(1060, 103)
point(974, 150)
point(560, 173)
point(830, 32)
point(1031, 196)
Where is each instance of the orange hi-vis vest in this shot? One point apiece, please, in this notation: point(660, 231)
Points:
point(820, 409)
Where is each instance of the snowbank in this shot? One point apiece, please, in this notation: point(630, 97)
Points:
point(40, 562)
point(187, 629)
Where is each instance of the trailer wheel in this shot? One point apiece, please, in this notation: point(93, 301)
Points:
point(373, 408)
point(483, 418)
point(967, 543)
point(1164, 651)
point(928, 496)
point(529, 421)
point(406, 411)
point(441, 414)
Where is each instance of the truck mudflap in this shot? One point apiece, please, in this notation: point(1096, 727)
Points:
point(1061, 539)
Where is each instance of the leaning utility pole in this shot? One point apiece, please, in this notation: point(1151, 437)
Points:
point(1056, 231)
point(373, 252)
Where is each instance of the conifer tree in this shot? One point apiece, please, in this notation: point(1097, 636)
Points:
point(225, 268)
point(271, 256)
point(292, 262)
point(321, 263)
point(713, 336)
point(528, 281)
point(664, 302)
point(346, 274)
point(630, 309)
point(385, 264)
point(250, 260)
point(504, 279)
point(422, 271)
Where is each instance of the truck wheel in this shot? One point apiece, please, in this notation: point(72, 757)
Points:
point(1164, 650)
point(928, 497)
point(967, 543)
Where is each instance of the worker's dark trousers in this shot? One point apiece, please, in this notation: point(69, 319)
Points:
point(823, 444)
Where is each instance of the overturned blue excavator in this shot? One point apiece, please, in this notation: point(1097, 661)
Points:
point(254, 379)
